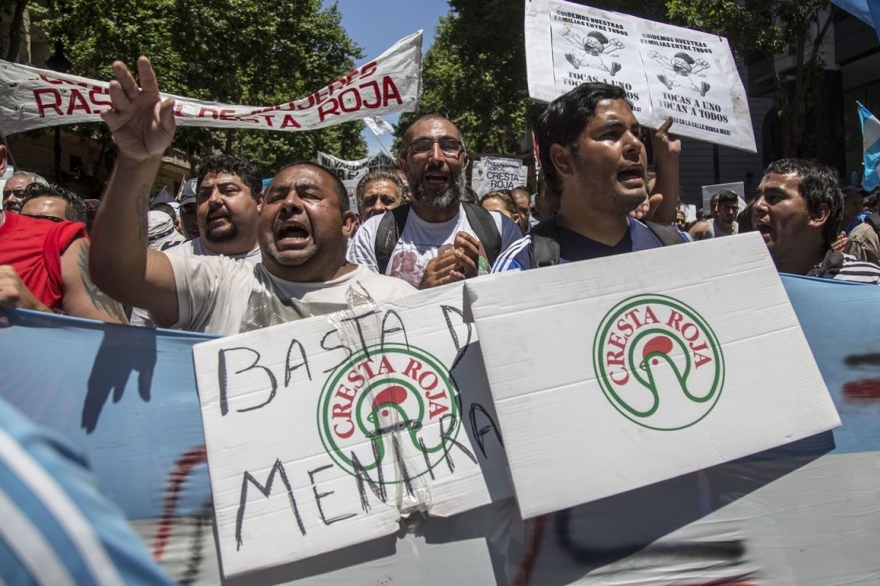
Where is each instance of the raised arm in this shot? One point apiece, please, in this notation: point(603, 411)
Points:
point(120, 262)
point(667, 149)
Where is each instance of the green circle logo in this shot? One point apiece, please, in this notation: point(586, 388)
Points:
point(658, 362)
point(389, 412)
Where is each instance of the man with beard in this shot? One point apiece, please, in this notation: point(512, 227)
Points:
point(725, 207)
point(226, 194)
point(592, 156)
point(437, 239)
point(304, 223)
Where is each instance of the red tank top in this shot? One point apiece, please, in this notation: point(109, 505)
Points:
point(33, 247)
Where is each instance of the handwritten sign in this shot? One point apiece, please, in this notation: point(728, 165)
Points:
point(665, 70)
point(34, 98)
point(324, 433)
point(655, 373)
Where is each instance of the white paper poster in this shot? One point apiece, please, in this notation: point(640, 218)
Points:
point(665, 70)
point(498, 174)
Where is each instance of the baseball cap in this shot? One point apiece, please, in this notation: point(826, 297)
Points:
point(189, 192)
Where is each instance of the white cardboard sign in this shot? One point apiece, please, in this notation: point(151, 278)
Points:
point(645, 376)
point(323, 433)
point(665, 70)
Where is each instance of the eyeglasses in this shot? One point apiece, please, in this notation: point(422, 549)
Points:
point(16, 192)
point(450, 147)
point(50, 218)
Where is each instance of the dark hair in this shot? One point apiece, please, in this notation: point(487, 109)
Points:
point(338, 185)
point(247, 171)
point(725, 196)
point(164, 207)
point(381, 174)
point(563, 121)
point(520, 188)
point(75, 210)
point(818, 185)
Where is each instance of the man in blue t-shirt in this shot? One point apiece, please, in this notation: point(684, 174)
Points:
point(591, 153)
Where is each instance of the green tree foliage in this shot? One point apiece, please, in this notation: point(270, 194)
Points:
point(253, 52)
point(474, 74)
point(770, 29)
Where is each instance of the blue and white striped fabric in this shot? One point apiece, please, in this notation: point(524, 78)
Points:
point(57, 527)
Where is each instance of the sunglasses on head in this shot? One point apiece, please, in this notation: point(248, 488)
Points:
point(41, 217)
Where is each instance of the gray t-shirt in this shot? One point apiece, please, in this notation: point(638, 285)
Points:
point(194, 247)
point(224, 296)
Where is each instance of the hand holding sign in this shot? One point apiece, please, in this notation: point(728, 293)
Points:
point(141, 122)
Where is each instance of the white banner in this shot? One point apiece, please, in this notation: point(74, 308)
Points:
point(665, 70)
point(498, 174)
point(351, 172)
point(33, 98)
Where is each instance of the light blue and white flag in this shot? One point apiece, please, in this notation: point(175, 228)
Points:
point(871, 142)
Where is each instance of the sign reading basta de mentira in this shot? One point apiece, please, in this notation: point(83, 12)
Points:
point(665, 70)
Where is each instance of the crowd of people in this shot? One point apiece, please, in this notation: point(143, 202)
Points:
point(231, 256)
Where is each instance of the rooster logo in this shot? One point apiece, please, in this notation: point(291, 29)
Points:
point(386, 405)
point(658, 362)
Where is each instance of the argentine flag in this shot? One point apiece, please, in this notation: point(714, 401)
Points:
point(871, 142)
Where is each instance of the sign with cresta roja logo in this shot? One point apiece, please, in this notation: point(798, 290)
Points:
point(325, 432)
point(658, 362)
point(399, 390)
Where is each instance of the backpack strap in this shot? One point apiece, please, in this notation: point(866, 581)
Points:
point(387, 233)
point(545, 243)
point(665, 233)
point(483, 225)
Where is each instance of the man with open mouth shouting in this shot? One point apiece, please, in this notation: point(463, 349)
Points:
point(592, 155)
point(304, 224)
point(798, 213)
point(437, 239)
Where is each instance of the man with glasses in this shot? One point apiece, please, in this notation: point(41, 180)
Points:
point(437, 239)
point(13, 191)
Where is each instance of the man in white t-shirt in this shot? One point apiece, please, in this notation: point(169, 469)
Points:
point(437, 239)
point(223, 204)
point(303, 226)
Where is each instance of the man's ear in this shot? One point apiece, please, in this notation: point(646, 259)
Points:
point(349, 221)
point(259, 200)
point(465, 161)
point(820, 216)
point(562, 159)
point(3, 155)
point(401, 164)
